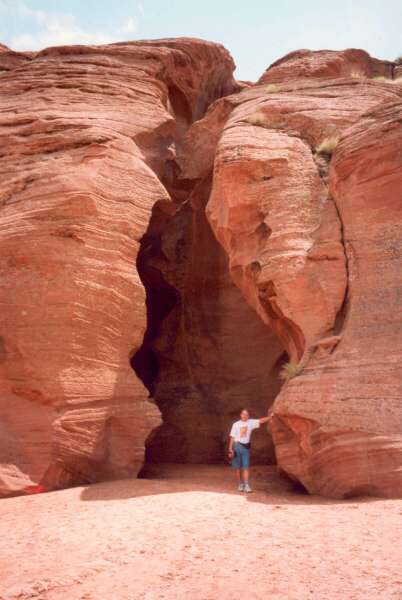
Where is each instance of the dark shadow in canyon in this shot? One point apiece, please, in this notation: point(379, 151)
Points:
point(160, 300)
point(205, 354)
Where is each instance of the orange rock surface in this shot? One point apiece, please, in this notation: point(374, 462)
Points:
point(339, 424)
point(326, 63)
point(85, 134)
point(314, 245)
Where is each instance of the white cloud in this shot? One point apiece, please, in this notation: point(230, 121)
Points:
point(56, 29)
point(130, 26)
point(40, 29)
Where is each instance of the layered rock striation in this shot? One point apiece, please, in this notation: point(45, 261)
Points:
point(87, 136)
point(310, 228)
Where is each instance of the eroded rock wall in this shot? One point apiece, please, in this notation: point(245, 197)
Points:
point(313, 245)
point(87, 134)
point(353, 445)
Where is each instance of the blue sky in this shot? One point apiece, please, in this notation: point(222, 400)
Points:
point(256, 32)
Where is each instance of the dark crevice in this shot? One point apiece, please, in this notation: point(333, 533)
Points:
point(277, 367)
point(161, 296)
point(290, 334)
point(343, 311)
point(180, 264)
point(297, 486)
point(323, 172)
point(160, 301)
point(179, 104)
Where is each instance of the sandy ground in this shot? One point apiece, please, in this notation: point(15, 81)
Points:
point(189, 534)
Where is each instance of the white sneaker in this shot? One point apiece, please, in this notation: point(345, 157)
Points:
point(241, 487)
point(247, 488)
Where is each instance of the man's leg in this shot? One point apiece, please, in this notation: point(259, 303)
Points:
point(241, 470)
point(240, 484)
point(246, 462)
point(236, 464)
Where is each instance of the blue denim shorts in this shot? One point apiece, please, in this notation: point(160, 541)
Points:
point(241, 456)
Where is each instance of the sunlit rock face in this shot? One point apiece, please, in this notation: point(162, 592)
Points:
point(339, 424)
point(352, 62)
point(87, 134)
point(313, 237)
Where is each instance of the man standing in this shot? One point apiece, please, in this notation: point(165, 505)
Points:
point(239, 446)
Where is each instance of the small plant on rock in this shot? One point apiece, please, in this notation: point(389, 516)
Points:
point(357, 74)
point(328, 145)
point(272, 88)
point(290, 370)
point(256, 118)
point(398, 60)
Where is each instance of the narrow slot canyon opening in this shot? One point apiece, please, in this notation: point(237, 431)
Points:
point(178, 105)
point(206, 354)
point(160, 300)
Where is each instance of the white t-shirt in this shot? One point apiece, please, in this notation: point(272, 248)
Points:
point(241, 430)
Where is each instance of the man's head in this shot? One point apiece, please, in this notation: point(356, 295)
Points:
point(244, 415)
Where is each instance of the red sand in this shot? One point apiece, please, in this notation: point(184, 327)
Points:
point(190, 535)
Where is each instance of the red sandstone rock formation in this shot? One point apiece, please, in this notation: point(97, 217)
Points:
point(270, 206)
point(326, 63)
point(109, 167)
point(339, 424)
point(10, 59)
point(311, 251)
point(86, 135)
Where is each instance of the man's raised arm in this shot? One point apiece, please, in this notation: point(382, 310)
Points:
point(267, 418)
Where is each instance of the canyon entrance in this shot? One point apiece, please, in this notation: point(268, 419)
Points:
point(206, 353)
